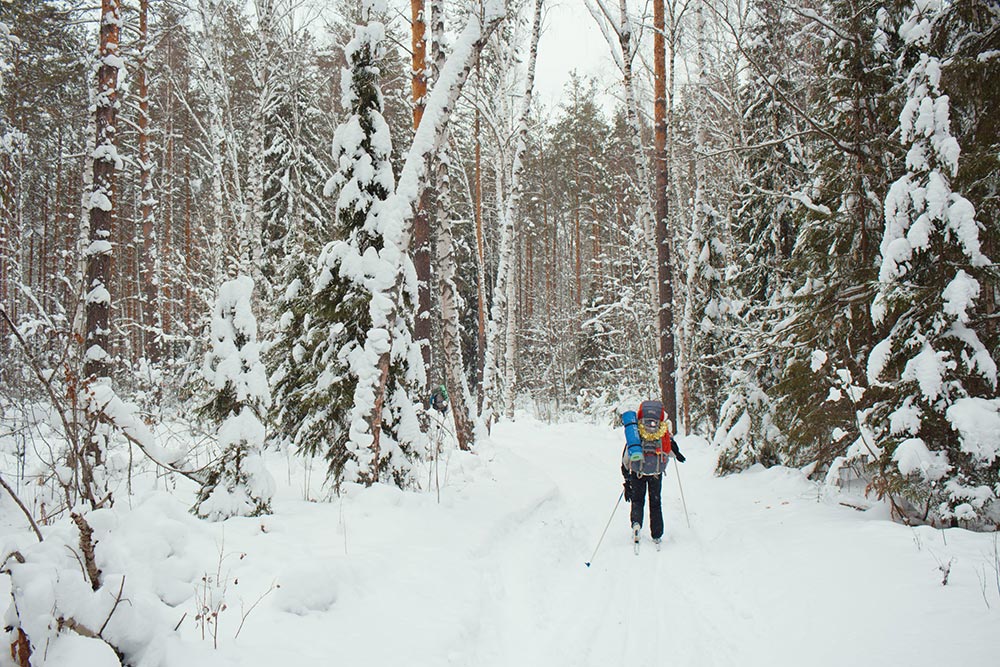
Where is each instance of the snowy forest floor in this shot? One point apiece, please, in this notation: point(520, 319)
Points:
point(773, 570)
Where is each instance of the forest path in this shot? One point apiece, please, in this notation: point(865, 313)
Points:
point(770, 573)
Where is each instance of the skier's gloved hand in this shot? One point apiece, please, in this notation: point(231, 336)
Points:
point(680, 457)
point(628, 492)
point(677, 452)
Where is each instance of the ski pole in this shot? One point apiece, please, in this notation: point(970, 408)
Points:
point(620, 496)
point(683, 502)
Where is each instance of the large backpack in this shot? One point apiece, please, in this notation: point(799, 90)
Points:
point(652, 428)
point(645, 455)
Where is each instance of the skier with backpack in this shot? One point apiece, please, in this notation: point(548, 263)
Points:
point(648, 448)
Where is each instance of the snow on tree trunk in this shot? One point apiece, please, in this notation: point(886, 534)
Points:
point(451, 329)
point(394, 220)
point(100, 203)
point(937, 376)
point(149, 272)
point(421, 219)
point(264, 55)
point(238, 484)
point(214, 90)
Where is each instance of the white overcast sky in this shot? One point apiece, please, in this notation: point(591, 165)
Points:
point(570, 40)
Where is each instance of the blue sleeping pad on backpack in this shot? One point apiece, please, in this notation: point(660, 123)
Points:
point(632, 439)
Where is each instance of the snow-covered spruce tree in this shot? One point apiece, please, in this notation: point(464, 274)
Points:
point(295, 173)
point(326, 386)
point(832, 265)
point(936, 419)
point(238, 484)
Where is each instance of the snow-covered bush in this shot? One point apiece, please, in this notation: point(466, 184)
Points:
point(746, 434)
point(101, 588)
point(238, 484)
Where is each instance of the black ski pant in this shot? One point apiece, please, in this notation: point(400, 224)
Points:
point(638, 484)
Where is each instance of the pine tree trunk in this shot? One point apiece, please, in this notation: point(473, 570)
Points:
point(101, 204)
point(665, 292)
point(421, 223)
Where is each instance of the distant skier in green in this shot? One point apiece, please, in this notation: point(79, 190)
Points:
point(439, 399)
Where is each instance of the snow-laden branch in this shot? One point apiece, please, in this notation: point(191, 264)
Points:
point(395, 218)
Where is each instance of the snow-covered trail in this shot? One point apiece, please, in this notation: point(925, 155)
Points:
point(768, 574)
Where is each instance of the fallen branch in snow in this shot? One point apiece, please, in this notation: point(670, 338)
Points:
point(87, 547)
point(77, 627)
point(20, 649)
point(130, 429)
point(16, 555)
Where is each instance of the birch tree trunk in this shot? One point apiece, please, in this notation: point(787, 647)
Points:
point(254, 212)
point(451, 332)
point(480, 254)
point(501, 314)
point(698, 221)
point(214, 134)
point(399, 209)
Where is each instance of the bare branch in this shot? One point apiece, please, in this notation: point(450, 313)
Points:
point(31, 520)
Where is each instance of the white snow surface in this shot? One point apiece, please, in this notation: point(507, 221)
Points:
point(977, 421)
point(913, 458)
point(771, 570)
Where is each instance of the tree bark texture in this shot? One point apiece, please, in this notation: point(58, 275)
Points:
point(500, 317)
point(151, 320)
point(101, 203)
point(480, 255)
point(421, 221)
point(451, 331)
point(664, 279)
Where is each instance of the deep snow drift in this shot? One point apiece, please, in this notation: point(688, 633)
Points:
point(773, 571)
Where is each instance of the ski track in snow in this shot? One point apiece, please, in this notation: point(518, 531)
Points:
point(771, 572)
